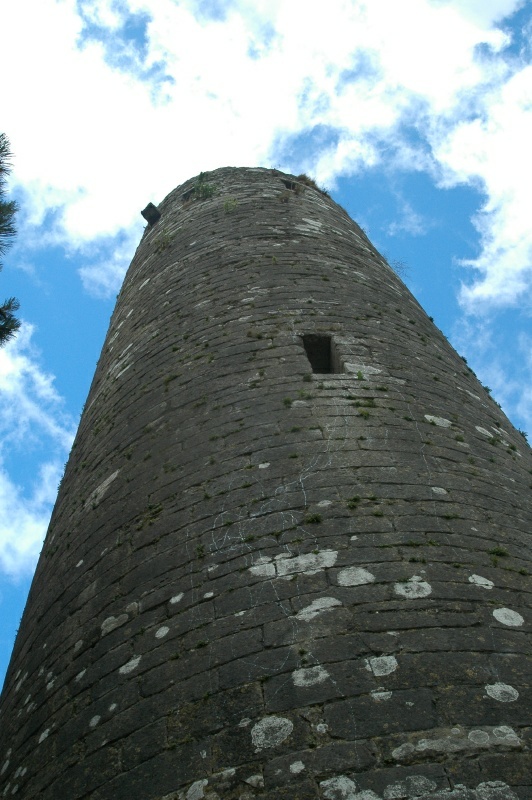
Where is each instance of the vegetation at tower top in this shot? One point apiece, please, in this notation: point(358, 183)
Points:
point(9, 324)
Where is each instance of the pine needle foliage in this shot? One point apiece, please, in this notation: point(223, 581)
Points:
point(9, 324)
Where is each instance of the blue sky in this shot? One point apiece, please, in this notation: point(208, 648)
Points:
point(417, 116)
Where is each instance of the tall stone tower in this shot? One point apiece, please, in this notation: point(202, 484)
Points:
point(288, 560)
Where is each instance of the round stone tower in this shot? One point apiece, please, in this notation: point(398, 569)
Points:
point(288, 560)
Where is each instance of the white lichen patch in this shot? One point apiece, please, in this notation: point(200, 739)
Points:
point(21, 681)
point(364, 369)
point(160, 633)
point(478, 580)
point(380, 696)
point(502, 692)
point(355, 576)
point(79, 563)
point(118, 374)
point(100, 490)
point(317, 607)
point(111, 623)
point(438, 490)
point(309, 676)
point(403, 751)
point(257, 781)
point(285, 565)
point(499, 431)
point(309, 563)
point(311, 224)
point(324, 503)
point(484, 432)
point(381, 665)
point(413, 589)
point(508, 617)
point(297, 767)
point(196, 791)
point(478, 737)
point(176, 599)
point(505, 733)
point(441, 422)
point(130, 666)
point(263, 570)
point(460, 740)
point(44, 735)
point(339, 788)
point(270, 731)
point(413, 786)
point(207, 595)
point(495, 790)
point(80, 675)
point(264, 465)
point(94, 721)
point(224, 774)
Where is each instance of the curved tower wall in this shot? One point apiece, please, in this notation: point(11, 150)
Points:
point(264, 581)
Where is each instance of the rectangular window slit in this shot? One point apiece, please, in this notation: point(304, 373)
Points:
point(321, 353)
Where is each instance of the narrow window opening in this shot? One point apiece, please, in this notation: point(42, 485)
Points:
point(290, 185)
point(321, 353)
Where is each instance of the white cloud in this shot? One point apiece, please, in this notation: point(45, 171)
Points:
point(103, 13)
point(29, 403)
point(524, 399)
point(482, 13)
point(409, 221)
point(492, 151)
point(507, 371)
point(103, 275)
point(97, 142)
point(24, 519)
point(96, 138)
point(32, 419)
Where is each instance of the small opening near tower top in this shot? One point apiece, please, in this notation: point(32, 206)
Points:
point(321, 353)
point(290, 185)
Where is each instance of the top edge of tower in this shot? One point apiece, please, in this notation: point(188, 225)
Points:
point(223, 179)
point(248, 192)
point(227, 186)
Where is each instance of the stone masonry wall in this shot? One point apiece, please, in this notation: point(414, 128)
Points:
point(264, 582)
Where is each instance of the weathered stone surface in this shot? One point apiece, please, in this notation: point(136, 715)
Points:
point(265, 582)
